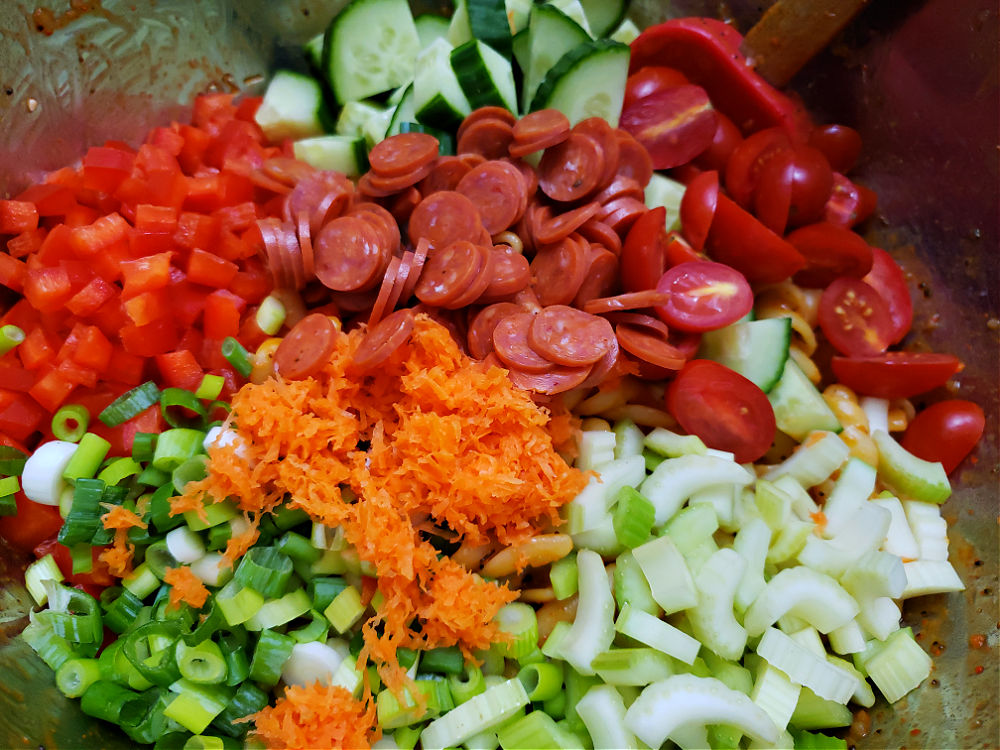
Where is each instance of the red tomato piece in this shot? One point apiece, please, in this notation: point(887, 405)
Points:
point(855, 318)
point(946, 431)
point(726, 410)
point(727, 137)
point(704, 296)
point(887, 278)
point(649, 80)
point(830, 251)
point(840, 144)
point(896, 374)
point(33, 523)
point(644, 251)
point(698, 207)
point(675, 125)
point(812, 183)
point(98, 577)
point(749, 158)
point(739, 240)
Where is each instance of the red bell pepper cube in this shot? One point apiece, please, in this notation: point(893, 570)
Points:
point(17, 217)
point(86, 301)
point(20, 415)
point(93, 349)
point(180, 369)
point(145, 274)
point(76, 374)
point(222, 314)
point(47, 288)
point(103, 233)
point(125, 368)
point(51, 390)
point(50, 199)
point(26, 243)
point(37, 349)
point(147, 307)
point(210, 270)
point(12, 272)
point(196, 230)
point(149, 340)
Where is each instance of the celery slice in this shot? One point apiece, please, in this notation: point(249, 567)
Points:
point(776, 694)
point(804, 667)
point(632, 666)
point(899, 539)
point(593, 626)
point(488, 709)
point(676, 479)
point(930, 577)
point(899, 666)
point(628, 439)
point(596, 448)
point(853, 487)
point(667, 573)
point(752, 542)
point(908, 475)
point(815, 597)
point(654, 632)
point(813, 461)
point(712, 619)
point(602, 711)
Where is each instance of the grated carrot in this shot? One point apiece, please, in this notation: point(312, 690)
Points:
point(317, 716)
point(119, 517)
point(118, 557)
point(819, 518)
point(185, 587)
point(431, 441)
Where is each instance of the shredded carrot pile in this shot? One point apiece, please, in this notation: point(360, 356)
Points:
point(317, 717)
point(119, 517)
point(430, 438)
point(185, 587)
point(118, 557)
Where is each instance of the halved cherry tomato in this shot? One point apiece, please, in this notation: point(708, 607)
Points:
point(772, 196)
point(812, 182)
point(855, 318)
point(741, 241)
point(698, 207)
point(33, 523)
point(945, 432)
point(649, 80)
point(849, 203)
point(895, 374)
point(675, 125)
point(679, 251)
point(840, 145)
point(749, 157)
point(887, 278)
point(704, 296)
point(830, 251)
point(642, 260)
point(727, 137)
point(723, 408)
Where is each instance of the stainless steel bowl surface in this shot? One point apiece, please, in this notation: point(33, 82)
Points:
point(918, 79)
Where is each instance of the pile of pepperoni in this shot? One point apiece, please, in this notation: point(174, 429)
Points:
point(519, 261)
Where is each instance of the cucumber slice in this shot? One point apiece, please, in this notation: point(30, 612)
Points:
point(430, 27)
point(626, 33)
point(521, 48)
point(551, 34)
point(603, 15)
point(798, 406)
point(370, 47)
point(757, 349)
point(354, 115)
point(405, 111)
point(438, 98)
point(518, 14)
point(588, 81)
point(314, 51)
point(574, 10)
point(293, 107)
point(446, 142)
point(488, 22)
point(459, 31)
point(340, 153)
point(662, 191)
point(486, 76)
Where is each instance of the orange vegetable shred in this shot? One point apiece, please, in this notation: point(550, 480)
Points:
point(430, 440)
point(185, 587)
point(317, 716)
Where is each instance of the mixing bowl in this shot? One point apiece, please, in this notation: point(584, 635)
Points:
point(918, 79)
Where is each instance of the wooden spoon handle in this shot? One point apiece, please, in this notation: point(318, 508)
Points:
point(792, 32)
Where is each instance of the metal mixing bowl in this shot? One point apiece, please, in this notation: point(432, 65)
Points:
point(918, 79)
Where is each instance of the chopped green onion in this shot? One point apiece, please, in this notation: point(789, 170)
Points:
point(11, 461)
point(316, 630)
point(563, 577)
point(110, 702)
point(633, 517)
point(238, 603)
point(70, 423)
point(51, 647)
point(176, 446)
point(298, 548)
point(266, 570)
point(279, 611)
point(43, 569)
point(218, 536)
point(150, 477)
point(76, 675)
point(542, 681)
point(397, 711)
point(82, 558)
point(210, 387)
point(345, 609)
point(195, 706)
point(287, 518)
point(119, 469)
point(87, 458)
point(142, 581)
point(158, 558)
point(202, 663)
point(270, 315)
point(10, 336)
point(8, 502)
point(84, 517)
point(234, 652)
point(159, 509)
point(73, 614)
point(237, 356)
point(121, 614)
point(116, 668)
point(184, 544)
point(130, 404)
point(143, 445)
point(468, 684)
point(273, 650)
point(446, 660)
point(150, 649)
point(323, 590)
point(248, 699)
point(215, 513)
point(175, 402)
point(519, 620)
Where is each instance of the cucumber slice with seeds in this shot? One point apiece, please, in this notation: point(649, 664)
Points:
point(340, 153)
point(588, 81)
point(489, 24)
point(551, 34)
point(486, 76)
point(603, 15)
point(430, 27)
point(438, 98)
point(293, 107)
point(757, 349)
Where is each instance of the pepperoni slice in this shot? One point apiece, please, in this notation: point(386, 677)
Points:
point(570, 337)
point(621, 213)
point(402, 274)
point(627, 301)
point(634, 161)
point(600, 233)
point(649, 347)
point(286, 170)
point(488, 137)
point(445, 217)
point(479, 284)
point(620, 187)
point(602, 275)
point(480, 335)
point(416, 268)
point(292, 254)
point(384, 292)
point(571, 169)
point(349, 254)
point(598, 129)
point(556, 228)
point(402, 205)
point(273, 252)
point(306, 348)
point(604, 366)
point(323, 194)
point(527, 300)
point(538, 130)
point(376, 186)
point(402, 154)
point(305, 243)
point(510, 342)
point(557, 380)
point(641, 320)
point(497, 189)
point(381, 219)
point(511, 273)
point(485, 113)
point(559, 270)
point(382, 340)
point(444, 175)
point(449, 272)
point(528, 174)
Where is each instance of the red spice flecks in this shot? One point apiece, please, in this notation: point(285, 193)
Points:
point(979, 670)
point(914, 732)
point(977, 640)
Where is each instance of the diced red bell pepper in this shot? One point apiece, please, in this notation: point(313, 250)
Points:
point(14, 375)
point(75, 374)
point(253, 283)
point(51, 390)
point(121, 437)
point(239, 217)
point(152, 219)
point(212, 110)
point(192, 152)
point(93, 349)
point(147, 307)
point(80, 215)
point(33, 524)
point(192, 340)
point(145, 274)
point(209, 269)
point(196, 230)
point(47, 288)
point(110, 317)
point(12, 272)
point(109, 230)
point(22, 315)
point(57, 246)
point(20, 415)
point(180, 369)
point(104, 167)
point(86, 301)
point(247, 108)
point(222, 314)
point(17, 217)
point(169, 139)
point(149, 340)
point(49, 199)
point(125, 368)
point(26, 243)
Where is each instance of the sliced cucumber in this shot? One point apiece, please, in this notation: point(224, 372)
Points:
point(756, 349)
point(340, 153)
point(354, 115)
point(626, 33)
point(588, 81)
point(518, 14)
point(520, 47)
point(446, 141)
point(293, 107)
point(459, 31)
point(574, 10)
point(551, 34)
point(662, 191)
point(430, 27)
point(314, 51)
point(405, 111)
point(486, 76)
point(370, 47)
point(798, 406)
point(603, 15)
point(438, 98)
point(488, 22)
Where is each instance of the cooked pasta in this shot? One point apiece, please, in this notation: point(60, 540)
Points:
point(846, 407)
